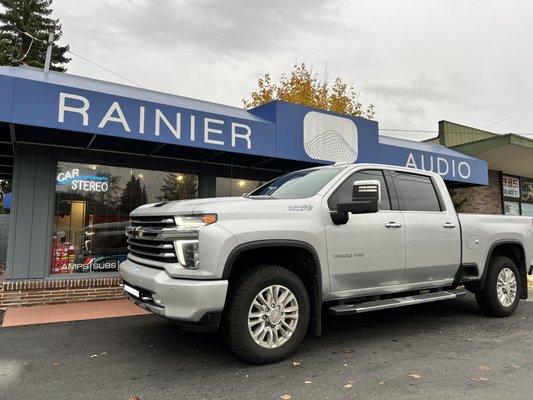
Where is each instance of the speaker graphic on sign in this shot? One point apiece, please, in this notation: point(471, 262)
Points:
point(330, 138)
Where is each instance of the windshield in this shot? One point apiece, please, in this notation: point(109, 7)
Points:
point(297, 185)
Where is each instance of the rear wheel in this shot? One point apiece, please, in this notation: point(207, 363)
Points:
point(266, 315)
point(501, 293)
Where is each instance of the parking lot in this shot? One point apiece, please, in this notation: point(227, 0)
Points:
point(441, 350)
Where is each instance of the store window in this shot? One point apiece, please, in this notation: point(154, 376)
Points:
point(526, 196)
point(517, 195)
point(226, 187)
point(92, 206)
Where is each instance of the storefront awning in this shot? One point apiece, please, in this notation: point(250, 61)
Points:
point(453, 166)
point(510, 153)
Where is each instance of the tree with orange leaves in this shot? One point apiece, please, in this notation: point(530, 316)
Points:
point(305, 88)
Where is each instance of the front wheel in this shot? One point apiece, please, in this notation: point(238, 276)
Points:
point(266, 315)
point(501, 294)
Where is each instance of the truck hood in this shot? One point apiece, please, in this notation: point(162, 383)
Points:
point(185, 206)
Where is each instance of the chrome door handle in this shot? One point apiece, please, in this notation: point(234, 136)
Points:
point(448, 225)
point(393, 225)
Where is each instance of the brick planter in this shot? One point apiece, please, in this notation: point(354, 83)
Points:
point(30, 292)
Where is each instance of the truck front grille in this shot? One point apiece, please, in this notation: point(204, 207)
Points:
point(152, 239)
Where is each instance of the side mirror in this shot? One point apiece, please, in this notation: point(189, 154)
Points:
point(366, 198)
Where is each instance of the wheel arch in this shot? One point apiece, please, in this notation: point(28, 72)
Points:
point(513, 249)
point(246, 250)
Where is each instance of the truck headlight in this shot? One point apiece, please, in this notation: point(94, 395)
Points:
point(190, 222)
point(187, 252)
point(188, 249)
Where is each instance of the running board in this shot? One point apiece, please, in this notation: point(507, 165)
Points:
point(345, 309)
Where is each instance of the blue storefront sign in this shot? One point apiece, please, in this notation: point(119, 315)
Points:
point(277, 129)
point(451, 165)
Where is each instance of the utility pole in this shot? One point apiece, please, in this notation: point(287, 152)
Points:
point(49, 52)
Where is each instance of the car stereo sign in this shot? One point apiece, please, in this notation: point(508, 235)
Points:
point(82, 183)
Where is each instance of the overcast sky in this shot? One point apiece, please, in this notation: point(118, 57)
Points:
point(417, 61)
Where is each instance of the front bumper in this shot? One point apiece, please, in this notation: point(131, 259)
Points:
point(188, 300)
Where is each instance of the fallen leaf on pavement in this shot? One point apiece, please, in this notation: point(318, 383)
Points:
point(415, 376)
point(347, 350)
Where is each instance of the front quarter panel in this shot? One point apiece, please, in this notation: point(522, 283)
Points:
point(275, 219)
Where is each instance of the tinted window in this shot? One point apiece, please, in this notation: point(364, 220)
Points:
point(417, 192)
point(343, 194)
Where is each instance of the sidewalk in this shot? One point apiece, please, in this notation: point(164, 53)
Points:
point(17, 316)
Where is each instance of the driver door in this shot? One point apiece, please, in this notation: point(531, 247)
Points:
point(367, 254)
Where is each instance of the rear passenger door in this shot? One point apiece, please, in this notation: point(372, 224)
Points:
point(432, 233)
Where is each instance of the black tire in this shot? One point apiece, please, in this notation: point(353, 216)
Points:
point(487, 298)
point(243, 290)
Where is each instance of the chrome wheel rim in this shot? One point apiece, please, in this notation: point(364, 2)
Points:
point(506, 287)
point(273, 316)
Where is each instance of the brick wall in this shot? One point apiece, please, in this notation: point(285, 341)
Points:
point(4, 233)
point(481, 199)
point(31, 292)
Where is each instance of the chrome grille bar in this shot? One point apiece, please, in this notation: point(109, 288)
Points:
point(151, 239)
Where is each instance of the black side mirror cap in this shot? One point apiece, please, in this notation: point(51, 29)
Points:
point(366, 198)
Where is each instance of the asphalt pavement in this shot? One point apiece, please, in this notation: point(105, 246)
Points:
point(445, 350)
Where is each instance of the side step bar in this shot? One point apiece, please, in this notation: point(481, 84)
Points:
point(346, 309)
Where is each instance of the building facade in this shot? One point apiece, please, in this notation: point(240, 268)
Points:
point(509, 160)
point(81, 154)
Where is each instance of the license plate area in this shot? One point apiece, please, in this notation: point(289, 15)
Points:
point(134, 292)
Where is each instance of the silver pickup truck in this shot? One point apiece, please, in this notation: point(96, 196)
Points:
point(344, 239)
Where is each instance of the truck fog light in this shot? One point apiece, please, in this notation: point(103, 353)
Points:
point(157, 300)
point(188, 253)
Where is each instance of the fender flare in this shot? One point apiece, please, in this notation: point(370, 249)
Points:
point(523, 274)
point(317, 280)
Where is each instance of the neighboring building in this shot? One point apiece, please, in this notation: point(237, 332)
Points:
point(82, 153)
point(510, 162)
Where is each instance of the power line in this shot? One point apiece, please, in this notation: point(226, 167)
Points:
point(504, 111)
point(510, 116)
point(77, 55)
point(407, 130)
point(423, 131)
point(104, 68)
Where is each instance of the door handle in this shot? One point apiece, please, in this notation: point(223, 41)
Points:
point(393, 225)
point(448, 225)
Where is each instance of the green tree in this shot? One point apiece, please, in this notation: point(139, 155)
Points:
point(133, 195)
point(33, 17)
point(178, 187)
point(305, 88)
